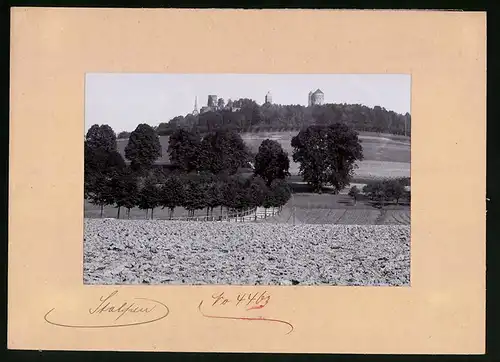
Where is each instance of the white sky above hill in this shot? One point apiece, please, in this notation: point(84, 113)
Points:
point(124, 100)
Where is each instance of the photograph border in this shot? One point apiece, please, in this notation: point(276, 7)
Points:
point(459, 302)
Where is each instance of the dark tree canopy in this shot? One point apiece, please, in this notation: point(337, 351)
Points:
point(123, 135)
point(100, 166)
point(143, 147)
point(281, 192)
point(195, 196)
point(183, 149)
point(387, 190)
point(257, 191)
point(246, 115)
point(124, 189)
point(149, 195)
point(101, 136)
point(271, 162)
point(172, 193)
point(327, 155)
point(222, 151)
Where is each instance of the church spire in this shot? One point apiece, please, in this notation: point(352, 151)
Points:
point(195, 111)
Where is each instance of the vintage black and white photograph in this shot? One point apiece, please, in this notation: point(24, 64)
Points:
point(247, 179)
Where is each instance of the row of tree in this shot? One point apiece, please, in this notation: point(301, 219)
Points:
point(384, 191)
point(251, 117)
point(191, 191)
point(204, 176)
point(326, 155)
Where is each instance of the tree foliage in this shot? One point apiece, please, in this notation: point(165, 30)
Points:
point(123, 135)
point(382, 191)
point(271, 162)
point(195, 196)
point(101, 137)
point(246, 115)
point(183, 149)
point(327, 155)
point(172, 193)
point(143, 147)
point(125, 190)
point(222, 151)
point(257, 191)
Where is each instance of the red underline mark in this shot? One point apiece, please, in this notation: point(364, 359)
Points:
point(247, 318)
point(256, 307)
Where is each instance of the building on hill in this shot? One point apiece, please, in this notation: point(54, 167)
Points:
point(316, 98)
point(269, 98)
point(212, 101)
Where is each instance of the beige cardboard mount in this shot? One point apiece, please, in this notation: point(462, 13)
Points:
point(443, 311)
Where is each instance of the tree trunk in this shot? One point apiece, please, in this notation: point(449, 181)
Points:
point(208, 211)
point(128, 212)
point(102, 207)
point(152, 209)
point(265, 213)
point(147, 211)
point(118, 215)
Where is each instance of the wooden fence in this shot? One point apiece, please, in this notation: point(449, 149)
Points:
point(253, 214)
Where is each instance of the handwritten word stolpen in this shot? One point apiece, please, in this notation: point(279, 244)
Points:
point(141, 309)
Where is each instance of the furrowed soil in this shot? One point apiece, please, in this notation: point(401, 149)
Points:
point(177, 252)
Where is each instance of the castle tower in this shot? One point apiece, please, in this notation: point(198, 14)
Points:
point(317, 98)
point(195, 110)
point(269, 98)
point(309, 99)
point(212, 101)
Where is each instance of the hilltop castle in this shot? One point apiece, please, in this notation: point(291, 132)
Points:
point(315, 98)
point(214, 104)
point(269, 98)
point(217, 104)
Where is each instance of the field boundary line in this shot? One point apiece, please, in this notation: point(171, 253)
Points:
point(341, 216)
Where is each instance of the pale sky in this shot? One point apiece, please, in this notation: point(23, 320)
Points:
point(124, 100)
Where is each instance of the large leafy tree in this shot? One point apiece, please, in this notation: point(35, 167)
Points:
point(101, 193)
point(183, 148)
point(100, 153)
point(101, 137)
point(271, 162)
point(195, 197)
point(143, 147)
point(222, 151)
point(327, 155)
point(257, 191)
point(149, 196)
point(103, 169)
point(125, 190)
point(281, 192)
point(172, 194)
point(236, 195)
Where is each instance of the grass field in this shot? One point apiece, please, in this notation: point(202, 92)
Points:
point(94, 211)
point(303, 208)
point(306, 208)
